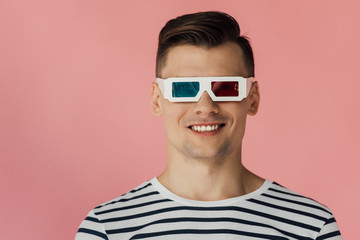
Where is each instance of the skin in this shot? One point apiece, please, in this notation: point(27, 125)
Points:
point(206, 166)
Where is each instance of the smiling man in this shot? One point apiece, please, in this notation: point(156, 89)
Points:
point(205, 89)
point(204, 137)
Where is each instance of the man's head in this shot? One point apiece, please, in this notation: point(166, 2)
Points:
point(207, 46)
point(203, 29)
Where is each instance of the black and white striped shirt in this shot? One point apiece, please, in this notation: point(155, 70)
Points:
point(152, 212)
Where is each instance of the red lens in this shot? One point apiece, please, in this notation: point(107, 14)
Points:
point(225, 89)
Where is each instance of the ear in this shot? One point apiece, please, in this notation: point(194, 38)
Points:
point(155, 100)
point(254, 99)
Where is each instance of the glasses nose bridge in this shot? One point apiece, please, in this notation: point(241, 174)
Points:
point(205, 87)
point(206, 105)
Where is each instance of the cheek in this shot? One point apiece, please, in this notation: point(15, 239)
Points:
point(240, 123)
point(241, 119)
point(238, 112)
point(172, 114)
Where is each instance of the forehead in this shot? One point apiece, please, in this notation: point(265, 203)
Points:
point(193, 61)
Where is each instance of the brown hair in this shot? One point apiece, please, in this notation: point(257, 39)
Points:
point(203, 29)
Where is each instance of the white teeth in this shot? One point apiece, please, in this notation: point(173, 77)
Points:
point(203, 128)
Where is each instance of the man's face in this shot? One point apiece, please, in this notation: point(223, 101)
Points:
point(224, 122)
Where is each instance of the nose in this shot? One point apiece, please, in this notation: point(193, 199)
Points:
point(206, 106)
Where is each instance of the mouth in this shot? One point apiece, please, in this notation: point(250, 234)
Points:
point(206, 127)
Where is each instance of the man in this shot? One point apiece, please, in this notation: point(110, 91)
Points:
point(204, 90)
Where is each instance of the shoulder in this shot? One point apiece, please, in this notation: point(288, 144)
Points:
point(92, 227)
point(293, 208)
point(299, 213)
point(136, 195)
point(280, 194)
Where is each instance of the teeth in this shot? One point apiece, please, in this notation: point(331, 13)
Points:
point(203, 128)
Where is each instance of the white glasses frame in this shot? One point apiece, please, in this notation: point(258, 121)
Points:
point(165, 86)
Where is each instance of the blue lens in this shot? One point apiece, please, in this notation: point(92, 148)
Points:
point(185, 89)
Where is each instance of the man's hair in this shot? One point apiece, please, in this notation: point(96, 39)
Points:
point(202, 29)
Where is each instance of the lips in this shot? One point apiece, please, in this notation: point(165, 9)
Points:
point(206, 127)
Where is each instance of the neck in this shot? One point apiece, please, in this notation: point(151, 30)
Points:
point(208, 179)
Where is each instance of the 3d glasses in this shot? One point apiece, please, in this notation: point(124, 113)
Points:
point(190, 89)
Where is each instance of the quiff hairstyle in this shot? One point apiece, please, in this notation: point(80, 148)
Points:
point(202, 29)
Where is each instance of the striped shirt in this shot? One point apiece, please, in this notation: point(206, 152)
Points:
point(152, 212)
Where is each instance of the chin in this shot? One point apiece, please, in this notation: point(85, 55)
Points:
point(207, 151)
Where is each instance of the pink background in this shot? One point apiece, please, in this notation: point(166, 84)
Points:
point(72, 134)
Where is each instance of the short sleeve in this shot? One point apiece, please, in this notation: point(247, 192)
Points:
point(91, 229)
point(330, 230)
